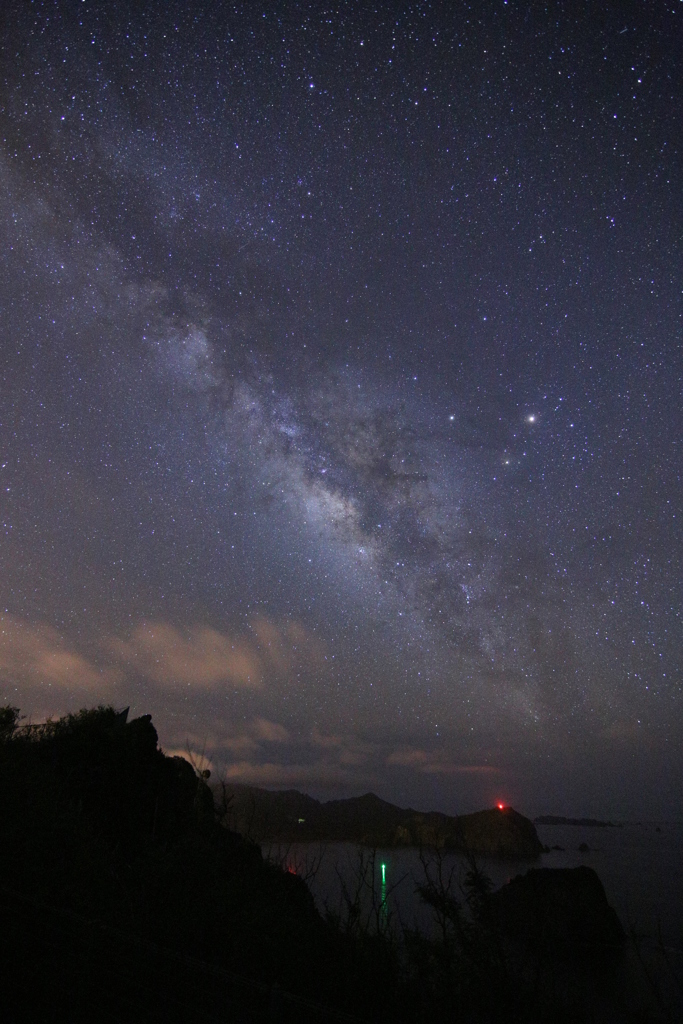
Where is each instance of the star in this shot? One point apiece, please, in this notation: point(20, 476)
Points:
point(217, 412)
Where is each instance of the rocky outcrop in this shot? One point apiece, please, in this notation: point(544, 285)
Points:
point(563, 908)
point(498, 833)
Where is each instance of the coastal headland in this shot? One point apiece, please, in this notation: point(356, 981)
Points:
point(288, 816)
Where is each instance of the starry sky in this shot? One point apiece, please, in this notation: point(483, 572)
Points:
point(340, 391)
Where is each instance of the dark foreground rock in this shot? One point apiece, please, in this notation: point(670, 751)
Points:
point(564, 908)
point(289, 816)
point(124, 897)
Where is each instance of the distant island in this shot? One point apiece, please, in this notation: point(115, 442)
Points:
point(287, 816)
point(553, 819)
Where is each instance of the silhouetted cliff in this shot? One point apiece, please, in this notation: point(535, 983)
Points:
point(106, 846)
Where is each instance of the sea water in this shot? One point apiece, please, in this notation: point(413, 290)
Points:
point(639, 864)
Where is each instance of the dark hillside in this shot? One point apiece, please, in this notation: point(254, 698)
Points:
point(289, 816)
point(102, 830)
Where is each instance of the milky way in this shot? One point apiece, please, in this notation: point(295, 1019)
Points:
point(341, 392)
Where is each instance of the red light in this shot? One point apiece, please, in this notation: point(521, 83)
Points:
point(501, 807)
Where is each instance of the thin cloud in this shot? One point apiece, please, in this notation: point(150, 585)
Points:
point(270, 732)
point(231, 740)
point(37, 655)
point(203, 657)
point(408, 757)
point(199, 761)
point(287, 645)
point(434, 763)
point(289, 775)
point(348, 750)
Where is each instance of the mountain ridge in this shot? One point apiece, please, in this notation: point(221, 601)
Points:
point(291, 816)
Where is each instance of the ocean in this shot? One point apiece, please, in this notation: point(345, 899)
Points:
point(639, 864)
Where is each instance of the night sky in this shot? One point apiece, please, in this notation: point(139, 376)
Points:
point(340, 391)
